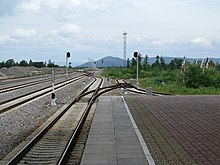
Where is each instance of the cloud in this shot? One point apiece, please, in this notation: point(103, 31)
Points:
point(24, 34)
point(201, 41)
point(68, 9)
point(7, 7)
point(69, 30)
point(4, 39)
point(30, 6)
point(95, 27)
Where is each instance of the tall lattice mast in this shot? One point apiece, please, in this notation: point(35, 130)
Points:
point(124, 47)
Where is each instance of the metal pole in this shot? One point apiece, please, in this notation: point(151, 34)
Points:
point(66, 67)
point(53, 80)
point(53, 98)
point(137, 69)
point(67, 56)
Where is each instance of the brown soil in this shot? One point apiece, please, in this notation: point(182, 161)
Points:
point(17, 71)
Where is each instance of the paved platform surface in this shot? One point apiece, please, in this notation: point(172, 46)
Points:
point(112, 139)
point(179, 129)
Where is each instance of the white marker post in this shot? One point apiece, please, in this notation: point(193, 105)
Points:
point(53, 97)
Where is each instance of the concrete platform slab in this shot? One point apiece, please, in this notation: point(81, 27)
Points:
point(112, 138)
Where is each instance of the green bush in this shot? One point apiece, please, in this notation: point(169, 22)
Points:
point(191, 82)
point(195, 77)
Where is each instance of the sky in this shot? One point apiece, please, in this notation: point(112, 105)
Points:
point(92, 29)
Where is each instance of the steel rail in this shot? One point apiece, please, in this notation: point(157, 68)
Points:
point(36, 138)
point(92, 91)
point(79, 126)
point(7, 89)
point(27, 84)
point(140, 91)
point(38, 95)
point(18, 97)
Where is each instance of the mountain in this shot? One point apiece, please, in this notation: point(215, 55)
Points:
point(104, 62)
point(117, 62)
point(151, 60)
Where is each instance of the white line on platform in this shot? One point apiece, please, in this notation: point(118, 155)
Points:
point(140, 138)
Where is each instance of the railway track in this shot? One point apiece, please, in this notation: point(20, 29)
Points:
point(51, 143)
point(21, 85)
point(14, 102)
point(15, 87)
point(54, 144)
point(134, 89)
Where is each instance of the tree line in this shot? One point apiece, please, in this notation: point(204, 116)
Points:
point(176, 63)
point(39, 64)
point(182, 73)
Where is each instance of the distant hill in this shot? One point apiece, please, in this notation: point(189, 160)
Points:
point(151, 60)
point(117, 62)
point(104, 62)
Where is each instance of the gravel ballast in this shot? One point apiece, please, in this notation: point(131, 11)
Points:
point(29, 89)
point(19, 123)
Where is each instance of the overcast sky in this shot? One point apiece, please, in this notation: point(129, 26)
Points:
point(46, 29)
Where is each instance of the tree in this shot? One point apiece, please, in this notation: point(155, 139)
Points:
point(176, 63)
point(195, 77)
point(2, 64)
point(146, 65)
point(156, 64)
point(128, 63)
point(9, 63)
point(162, 63)
point(218, 67)
point(146, 60)
point(50, 64)
point(30, 63)
point(133, 62)
point(23, 63)
point(39, 64)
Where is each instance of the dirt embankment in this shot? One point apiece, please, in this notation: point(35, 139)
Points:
point(17, 71)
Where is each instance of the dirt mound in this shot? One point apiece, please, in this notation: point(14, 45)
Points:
point(22, 71)
point(2, 75)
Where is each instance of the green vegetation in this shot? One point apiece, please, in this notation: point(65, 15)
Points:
point(9, 63)
point(177, 77)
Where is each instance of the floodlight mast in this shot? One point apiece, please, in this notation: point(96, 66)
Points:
point(124, 47)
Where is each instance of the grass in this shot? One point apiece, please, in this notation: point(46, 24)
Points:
point(170, 86)
point(174, 88)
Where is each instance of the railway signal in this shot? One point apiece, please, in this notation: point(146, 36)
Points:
point(136, 55)
point(67, 57)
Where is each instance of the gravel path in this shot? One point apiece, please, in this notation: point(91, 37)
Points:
point(16, 125)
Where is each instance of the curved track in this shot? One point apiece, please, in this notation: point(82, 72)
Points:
point(55, 142)
point(54, 137)
point(134, 89)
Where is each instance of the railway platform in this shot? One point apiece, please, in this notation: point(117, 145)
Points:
point(114, 138)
